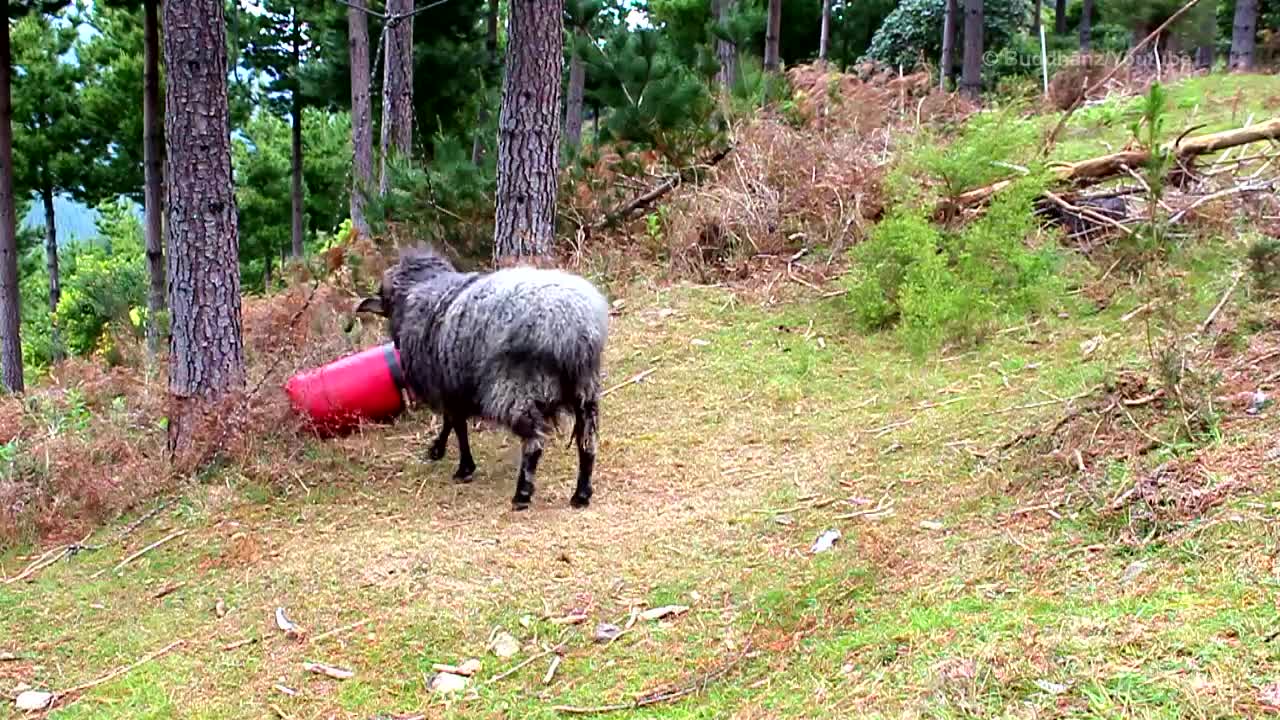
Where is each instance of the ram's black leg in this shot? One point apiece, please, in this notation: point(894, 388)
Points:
point(440, 445)
point(466, 464)
point(585, 432)
point(531, 453)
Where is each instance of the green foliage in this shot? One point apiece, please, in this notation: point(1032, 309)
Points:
point(448, 202)
point(50, 131)
point(985, 150)
point(1264, 264)
point(261, 159)
point(104, 285)
point(951, 286)
point(113, 62)
point(654, 100)
point(914, 29)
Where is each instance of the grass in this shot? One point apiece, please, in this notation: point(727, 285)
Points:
point(987, 589)
point(700, 463)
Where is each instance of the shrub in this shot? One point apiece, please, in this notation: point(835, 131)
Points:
point(915, 27)
point(939, 286)
point(1264, 265)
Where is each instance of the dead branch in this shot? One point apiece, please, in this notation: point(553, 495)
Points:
point(699, 684)
point(1106, 166)
point(638, 377)
point(1086, 212)
point(336, 631)
point(524, 663)
point(119, 566)
point(1204, 326)
point(113, 674)
point(1079, 100)
point(646, 199)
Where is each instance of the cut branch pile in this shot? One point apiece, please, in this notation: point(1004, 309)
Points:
point(1104, 167)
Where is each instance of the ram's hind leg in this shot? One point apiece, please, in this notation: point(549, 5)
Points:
point(531, 427)
point(466, 463)
point(585, 428)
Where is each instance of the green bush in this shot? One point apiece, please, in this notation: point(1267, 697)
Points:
point(984, 150)
point(105, 283)
point(940, 286)
point(1264, 265)
point(915, 27)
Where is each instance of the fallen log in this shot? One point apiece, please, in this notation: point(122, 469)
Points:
point(1106, 166)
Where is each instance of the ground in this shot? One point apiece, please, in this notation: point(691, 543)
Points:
point(1022, 533)
point(760, 427)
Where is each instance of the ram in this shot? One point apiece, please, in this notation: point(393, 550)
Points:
point(520, 347)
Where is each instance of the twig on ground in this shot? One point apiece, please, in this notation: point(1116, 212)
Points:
point(524, 663)
point(699, 684)
point(239, 644)
point(638, 377)
point(336, 631)
point(114, 674)
point(1042, 403)
point(49, 558)
point(1135, 312)
point(1222, 302)
point(168, 590)
point(119, 566)
point(551, 671)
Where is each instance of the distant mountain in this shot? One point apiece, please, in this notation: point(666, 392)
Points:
point(76, 221)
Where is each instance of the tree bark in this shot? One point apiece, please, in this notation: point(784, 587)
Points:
point(482, 116)
point(10, 321)
point(397, 85)
point(948, 61)
point(573, 103)
point(1060, 17)
point(772, 54)
point(295, 110)
point(51, 266)
point(361, 114)
point(971, 81)
point(1204, 56)
point(1086, 26)
point(726, 51)
point(1036, 9)
point(529, 130)
point(153, 170)
point(1244, 35)
point(206, 358)
point(824, 36)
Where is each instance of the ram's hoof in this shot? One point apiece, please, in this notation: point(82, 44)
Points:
point(579, 501)
point(518, 505)
point(464, 474)
point(435, 452)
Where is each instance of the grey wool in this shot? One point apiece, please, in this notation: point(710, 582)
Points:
point(520, 347)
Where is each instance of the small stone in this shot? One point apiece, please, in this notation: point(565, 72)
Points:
point(34, 700)
point(661, 612)
point(505, 645)
point(447, 683)
point(931, 525)
point(469, 668)
point(1132, 572)
point(607, 632)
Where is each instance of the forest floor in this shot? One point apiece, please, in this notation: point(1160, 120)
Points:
point(1020, 537)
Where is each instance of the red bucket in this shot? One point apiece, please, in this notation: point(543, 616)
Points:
point(358, 388)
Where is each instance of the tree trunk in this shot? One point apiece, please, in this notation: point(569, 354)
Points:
point(51, 265)
point(1060, 17)
point(1204, 57)
point(295, 108)
point(772, 57)
point(971, 81)
point(397, 85)
point(824, 36)
point(206, 349)
point(491, 47)
point(361, 114)
point(726, 51)
point(948, 61)
point(10, 321)
point(529, 130)
point(1244, 34)
point(573, 103)
point(1036, 10)
point(1086, 26)
point(266, 273)
point(153, 168)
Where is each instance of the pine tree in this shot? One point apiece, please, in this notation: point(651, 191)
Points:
point(580, 17)
point(11, 376)
point(361, 113)
point(1086, 25)
point(529, 130)
point(773, 31)
point(824, 41)
point(397, 85)
point(951, 14)
point(207, 351)
point(971, 79)
point(49, 130)
point(1244, 35)
point(491, 59)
